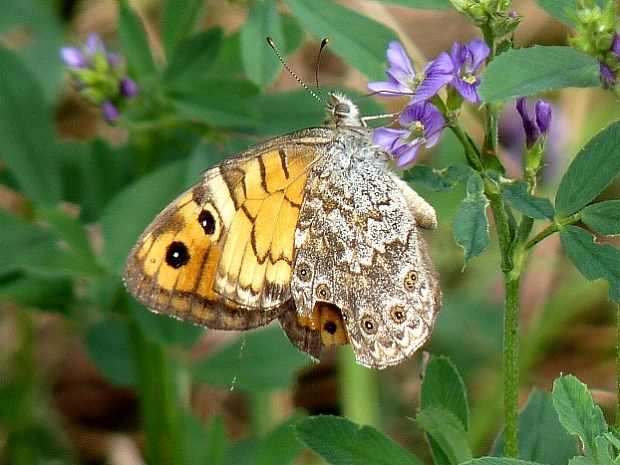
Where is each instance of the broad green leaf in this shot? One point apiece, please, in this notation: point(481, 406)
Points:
point(603, 217)
point(539, 427)
point(259, 61)
point(50, 294)
point(528, 71)
point(34, 32)
point(107, 343)
point(593, 259)
point(132, 209)
point(165, 329)
point(280, 446)
point(71, 233)
point(442, 386)
point(470, 226)
point(191, 62)
point(447, 432)
point(342, 442)
point(293, 34)
point(179, 20)
point(344, 27)
point(577, 412)
point(594, 167)
point(435, 179)
point(223, 103)
point(498, 461)
point(535, 207)
point(27, 141)
point(563, 9)
point(135, 45)
point(421, 4)
point(258, 361)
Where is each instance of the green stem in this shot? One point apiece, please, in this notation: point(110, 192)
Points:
point(618, 368)
point(358, 386)
point(471, 151)
point(511, 366)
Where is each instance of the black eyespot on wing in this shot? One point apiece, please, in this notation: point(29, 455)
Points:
point(303, 272)
point(323, 292)
point(177, 254)
point(369, 325)
point(330, 327)
point(206, 220)
point(411, 278)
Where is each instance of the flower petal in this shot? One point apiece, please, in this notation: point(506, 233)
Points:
point(94, 43)
point(397, 58)
point(438, 73)
point(110, 112)
point(543, 115)
point(615, 45)
point(407, 157)
point(388, 138)
point(129, 88)
point(73, 57)
point(467, 90)
point(479, 52)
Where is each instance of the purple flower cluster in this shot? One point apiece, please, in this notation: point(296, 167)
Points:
point(421, 121)
point(99, 76)
point(535, 126)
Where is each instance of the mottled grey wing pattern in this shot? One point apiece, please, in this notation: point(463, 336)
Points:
point(358, 246)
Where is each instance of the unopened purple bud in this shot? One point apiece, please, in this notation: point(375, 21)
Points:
point(608, 78)
point(94, 43)
point(73, 57)
point(615, 45)
point(110, 112)
point(543, 115)
point(129, 88)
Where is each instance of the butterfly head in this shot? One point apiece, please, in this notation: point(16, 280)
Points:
point(342, 111)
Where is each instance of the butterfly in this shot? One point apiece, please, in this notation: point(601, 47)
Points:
point(311, 228)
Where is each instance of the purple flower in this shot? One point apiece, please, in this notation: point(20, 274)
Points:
point(466, 59)
point(110, 112)
point(607, 74)
point(129, 88)
point(403, 80)
point(73, 57)
point(421, 123)
point(615, 45)
point(535, 126)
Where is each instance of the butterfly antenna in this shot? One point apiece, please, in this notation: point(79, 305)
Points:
point(292, 73)
point(324, 43)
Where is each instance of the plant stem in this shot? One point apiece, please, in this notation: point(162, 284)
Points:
point(358, 391)
point(618, 368)
point(511, 365)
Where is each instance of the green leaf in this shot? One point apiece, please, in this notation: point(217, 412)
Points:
point(27, 141)
point(498, 461)
point(216, 442)
point(191, 62)
point(342, 442)
point(540, 427)
point(594, 167)
point(107, 343)
point(470, 226)
point(603, 217)
point(564, 10)
point(535, 207)
point(421, 4)
point(179, 20)
point(135, 45)
point(32, 28)
point(223, 103)
point(592, 259)
point(447, 432)
point(442, 386)
point(527, 71)
point(261, 360)
point(438, 180)
point(259, 61)
point(49, 294)
point(280, 446)
point(344, 27)
point(132, 209)
point(577, 412)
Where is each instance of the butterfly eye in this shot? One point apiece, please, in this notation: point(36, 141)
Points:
point(177, 255)
point(322, 292)
point(410, 279)
point(369, 325)
point(342, 109)
point(207, 222)
point(398, 314)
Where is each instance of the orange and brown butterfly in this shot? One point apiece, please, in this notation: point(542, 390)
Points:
point(310, 228)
